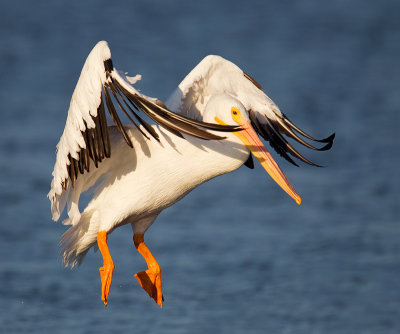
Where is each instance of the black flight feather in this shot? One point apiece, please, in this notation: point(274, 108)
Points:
point(97, 140)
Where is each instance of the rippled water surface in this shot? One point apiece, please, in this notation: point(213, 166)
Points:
point(237, 254)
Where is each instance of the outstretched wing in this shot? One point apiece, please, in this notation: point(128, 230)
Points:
point(85, 140)
point(216, 75)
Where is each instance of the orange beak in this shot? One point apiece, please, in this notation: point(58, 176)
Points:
point(250, 138)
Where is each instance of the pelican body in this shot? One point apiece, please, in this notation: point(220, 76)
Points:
point(209, 127)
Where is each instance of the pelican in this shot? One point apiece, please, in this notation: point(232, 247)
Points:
point(208, 127)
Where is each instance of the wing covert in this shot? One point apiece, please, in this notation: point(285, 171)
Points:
point(85, 142)
point(216, 75)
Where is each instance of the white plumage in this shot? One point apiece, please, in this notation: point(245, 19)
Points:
point(137, 170)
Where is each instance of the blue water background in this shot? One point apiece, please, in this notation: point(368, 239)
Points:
point(237, 254)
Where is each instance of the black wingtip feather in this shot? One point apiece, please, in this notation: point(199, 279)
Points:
point(329, 140)
point(115, 117)
point(303, 133)
point(104, 127)
point(171, 120)
point(273, 131)
point(108, 65)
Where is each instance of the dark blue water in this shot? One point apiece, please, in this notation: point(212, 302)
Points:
point(237, 254)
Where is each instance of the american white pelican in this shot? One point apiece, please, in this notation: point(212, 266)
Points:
point(207, 128)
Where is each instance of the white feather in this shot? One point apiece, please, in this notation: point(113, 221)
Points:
point(215, 75)
point(135, 184)
point(84, 103)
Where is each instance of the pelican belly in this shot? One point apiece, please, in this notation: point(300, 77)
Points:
point(155, 175)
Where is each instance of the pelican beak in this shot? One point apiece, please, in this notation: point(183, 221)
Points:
point(250, 138)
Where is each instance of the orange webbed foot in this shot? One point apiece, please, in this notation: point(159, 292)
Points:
point(150, 281)
point(106, 273)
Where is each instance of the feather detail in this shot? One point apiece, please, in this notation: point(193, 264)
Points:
point(85, 139)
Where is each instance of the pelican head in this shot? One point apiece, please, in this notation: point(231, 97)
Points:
point(227, 110)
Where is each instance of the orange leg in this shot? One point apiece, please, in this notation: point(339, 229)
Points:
point(106, 271)
point(150, 279)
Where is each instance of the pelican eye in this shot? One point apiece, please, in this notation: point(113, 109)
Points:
point(235, 111)
point(236, 116)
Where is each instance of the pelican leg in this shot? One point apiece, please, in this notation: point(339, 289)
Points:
point(150, 279)
point(106, 271)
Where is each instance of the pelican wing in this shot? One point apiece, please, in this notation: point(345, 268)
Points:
point(85, 142)
point(216, 75)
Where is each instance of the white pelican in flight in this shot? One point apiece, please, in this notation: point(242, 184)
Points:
point(208, 127)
